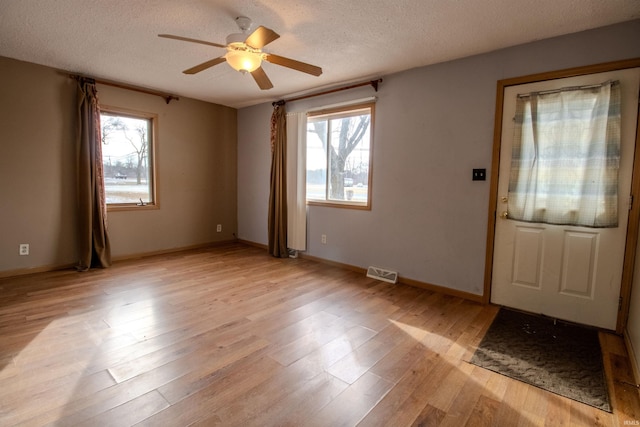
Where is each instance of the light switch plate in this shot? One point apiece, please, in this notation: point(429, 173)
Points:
point(479, 174)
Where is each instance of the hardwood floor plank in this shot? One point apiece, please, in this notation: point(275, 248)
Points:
point(483, 413)
point(621, 369)
point(535, 409)
point(201, 371)
point(496, 385)
point(558, 411)
point(231, 336)
point(281, 334)
point(510, 413)
point(461, 408)
point(333, 342)
point(324, 356)
point(581, 414)
point(301, 405)
point(221, 388)
point(350, 406)
point(130, 413)
point(111, 356)
point(626, 405)
point(256, 403)
point(407, 389)
point(29, 403)
point(353, 365)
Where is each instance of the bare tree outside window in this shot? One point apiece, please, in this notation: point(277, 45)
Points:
point(127, 155)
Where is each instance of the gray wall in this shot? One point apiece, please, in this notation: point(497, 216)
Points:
point(433, 126)
point(196, 150)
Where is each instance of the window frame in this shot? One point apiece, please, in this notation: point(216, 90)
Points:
point(337, 112)
point(152, 155)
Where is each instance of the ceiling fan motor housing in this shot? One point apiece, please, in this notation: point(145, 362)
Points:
point(244, 23)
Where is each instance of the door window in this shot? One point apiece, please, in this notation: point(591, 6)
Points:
point(566, 156)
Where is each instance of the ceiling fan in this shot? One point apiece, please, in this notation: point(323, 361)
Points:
point(244, 53)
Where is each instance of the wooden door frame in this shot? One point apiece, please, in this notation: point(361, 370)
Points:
point(634, 213)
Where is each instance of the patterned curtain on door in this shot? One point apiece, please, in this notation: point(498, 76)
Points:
point(94, 249)
point(566, 155)
point(278, 192)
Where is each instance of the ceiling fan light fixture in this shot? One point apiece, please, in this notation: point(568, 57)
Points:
point(243, 61)
point(244, 53)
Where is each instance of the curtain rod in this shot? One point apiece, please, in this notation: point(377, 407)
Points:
point(373, 83)
point(168, 98)
point(569, 89)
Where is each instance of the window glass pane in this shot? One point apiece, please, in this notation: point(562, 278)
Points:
point(349, 160)
point(126, 159)
point(316, 160)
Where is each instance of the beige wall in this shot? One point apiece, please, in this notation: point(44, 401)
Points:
point(196, 155)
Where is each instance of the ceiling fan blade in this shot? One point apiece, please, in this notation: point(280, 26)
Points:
point(292, 63)
point(205, 65)
point(261, 37)
point(261, 78)
point(187, 39)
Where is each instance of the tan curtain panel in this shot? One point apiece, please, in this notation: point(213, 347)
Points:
point(278, 193)
point(93, 246)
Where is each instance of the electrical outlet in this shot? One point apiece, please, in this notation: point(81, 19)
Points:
point(24, 249)
point(219, 228)
point(323, 239)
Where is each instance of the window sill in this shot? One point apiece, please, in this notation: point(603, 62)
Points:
point(338, 204)
point(131, 207)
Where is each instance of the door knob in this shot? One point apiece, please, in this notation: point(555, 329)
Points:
point(504, 215)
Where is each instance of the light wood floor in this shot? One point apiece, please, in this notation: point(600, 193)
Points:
point(231, 336)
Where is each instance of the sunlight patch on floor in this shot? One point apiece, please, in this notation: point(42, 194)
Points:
point(414, 332)
point(54, 358)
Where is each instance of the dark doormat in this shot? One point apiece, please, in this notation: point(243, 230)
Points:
point(558, 357)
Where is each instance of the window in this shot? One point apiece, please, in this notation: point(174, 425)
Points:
point(128, 158)
point(339, 156)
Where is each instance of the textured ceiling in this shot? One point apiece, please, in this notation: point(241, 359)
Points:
point(351, 40)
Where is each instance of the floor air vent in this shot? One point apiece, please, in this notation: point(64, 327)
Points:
point(382, 274)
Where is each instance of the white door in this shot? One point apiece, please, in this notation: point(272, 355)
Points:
point(566, 272)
